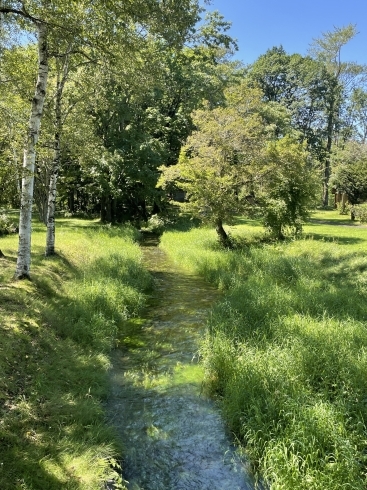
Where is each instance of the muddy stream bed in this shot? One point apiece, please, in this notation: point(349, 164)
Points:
point(173, 434)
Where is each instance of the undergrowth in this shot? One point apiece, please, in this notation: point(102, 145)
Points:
point(286, 349)
point(56, 332)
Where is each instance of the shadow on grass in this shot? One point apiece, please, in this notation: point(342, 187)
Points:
point(53, 361)
point(334, 222)
point(183, 222)
point(342, 240)
point(50, 390)
point(240, 220)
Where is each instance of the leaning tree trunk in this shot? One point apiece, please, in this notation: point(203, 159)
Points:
point(221, 232)
point(24, 249)
point(51, 207)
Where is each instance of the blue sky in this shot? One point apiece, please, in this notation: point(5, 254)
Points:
point(261, 24)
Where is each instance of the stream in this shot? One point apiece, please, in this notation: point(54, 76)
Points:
point(173, 434)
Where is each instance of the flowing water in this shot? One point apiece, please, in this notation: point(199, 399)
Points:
point(173, 434)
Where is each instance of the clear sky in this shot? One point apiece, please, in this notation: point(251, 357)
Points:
point(261, 24)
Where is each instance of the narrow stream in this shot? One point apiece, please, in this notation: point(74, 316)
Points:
point(173, 434)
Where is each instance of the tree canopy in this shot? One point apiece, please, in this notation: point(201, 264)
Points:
point(120, 91)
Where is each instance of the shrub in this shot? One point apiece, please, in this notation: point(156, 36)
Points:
point(6, 225)
point(360, 212)
point(155, 224)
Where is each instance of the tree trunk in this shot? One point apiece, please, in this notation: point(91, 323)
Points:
point(222, 235)
point(51, 205)
point(103, 213)
point(25, 219)
point(71, 200)
point(108, 210)
point(330, 124)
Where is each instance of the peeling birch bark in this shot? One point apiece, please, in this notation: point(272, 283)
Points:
point(25, 220)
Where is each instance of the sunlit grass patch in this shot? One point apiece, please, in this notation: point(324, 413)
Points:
point(56, 332)
point(286, 349)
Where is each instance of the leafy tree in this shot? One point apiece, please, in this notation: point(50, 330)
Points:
point(344, 78)
point(218, 165)
point(145, 127)
point(233, 163)
point(289, 186)
point(357, 114)
point(14, 101)
point(297, 83)
point(98, 27)
point(350, 172)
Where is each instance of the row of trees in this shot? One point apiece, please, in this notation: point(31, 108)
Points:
point(129, 92)
point(293, 124)
point(85, 57)
point(234, 163)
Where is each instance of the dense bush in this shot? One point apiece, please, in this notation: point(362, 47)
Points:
point(360, 212)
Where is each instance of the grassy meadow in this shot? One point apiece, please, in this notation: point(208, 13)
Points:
point(286, 348)
point(56, 333)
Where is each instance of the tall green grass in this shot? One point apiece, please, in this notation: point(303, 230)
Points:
point(56, 333)
point(286, 349)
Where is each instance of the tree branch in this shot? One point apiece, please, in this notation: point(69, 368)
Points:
point(22, 13)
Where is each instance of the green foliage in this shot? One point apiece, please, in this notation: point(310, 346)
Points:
point(225, 169)
point(285, 350)
point(142, 130)
point(350, 171)
point(218, 165)
point(360, 212)
point(155, 224)
point(298, 84)
point(291, 187)
point(328, 48)
point(357, 111)
point(7, 226)
point(56, 333)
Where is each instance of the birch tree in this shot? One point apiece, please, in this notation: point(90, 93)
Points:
point(98, 27)
point(61, 77)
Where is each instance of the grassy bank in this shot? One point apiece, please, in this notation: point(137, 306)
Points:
point(286, 350)
point(56, 332)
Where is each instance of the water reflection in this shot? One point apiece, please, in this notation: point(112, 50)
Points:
point(173, 434)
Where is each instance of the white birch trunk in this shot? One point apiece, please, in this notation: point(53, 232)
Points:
point(25, 219)
point(17, 178)
point(51, 207)
point(1, 18)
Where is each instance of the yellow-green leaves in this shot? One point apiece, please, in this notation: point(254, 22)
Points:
point(220, 160)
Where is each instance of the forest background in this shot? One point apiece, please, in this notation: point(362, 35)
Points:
point(120, 91)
